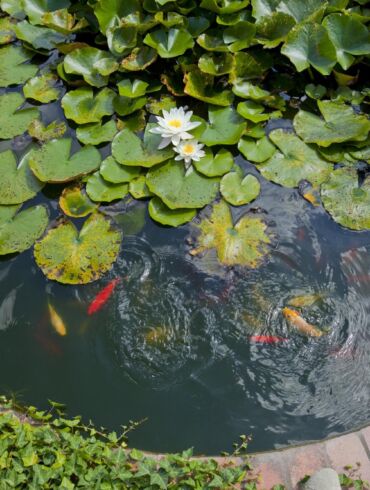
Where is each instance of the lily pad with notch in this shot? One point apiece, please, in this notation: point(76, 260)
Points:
point(225, 127)
point(159, 212)
point(215, 165)
point(96, 133)
point(42, 88)
point(13, 119)
point(99, 190)
point(94, 65)
point(75, 202)
point(84, 107)
point(14, 68)
point(238, 190)
point(116, 173)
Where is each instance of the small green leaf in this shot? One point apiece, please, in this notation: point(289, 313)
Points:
point(43, 133)
point(13, 120)
point(116, 173)
point(99, 190)
point(201, 86)
point(216, 64)
point(169, 44)
point(93, 64)
point(39, 37)
point(138, 188)
point(158, 211)
point(225, 127)
point(237, 190)
point(96, 133)
point(13, 66)
point(75, 203)
point(83, 107)
point(42, 88)
point(215, 165)
point(256, 151)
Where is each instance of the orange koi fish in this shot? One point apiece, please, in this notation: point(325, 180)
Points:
point(267, 339)
point(296, 321)
point(102, 297)
point(57, 321)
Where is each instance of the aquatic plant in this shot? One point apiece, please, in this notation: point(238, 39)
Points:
point(279, 82)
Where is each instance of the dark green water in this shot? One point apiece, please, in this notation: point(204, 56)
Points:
point(200, 381)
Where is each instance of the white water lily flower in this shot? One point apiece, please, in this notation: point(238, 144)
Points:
point(189, 151)
point(174, 126)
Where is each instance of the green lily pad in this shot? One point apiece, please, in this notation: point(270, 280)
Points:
point(64, 22)
point(42, 88)
point(224, 6)
point(250, 64)
point(99, 190)
point(349, 37)
point(171, 43)
point(116, 173)
point(54, 163)
point(215, 165)
point(138, 188)
point(129, 149)
point(43, 133)
point(93, 64)
point(256, 151)
point(134, 122)
point(157, 106)
point(13, 66)
point(315, 91)
point(159, 212)
point(340, 123)
point(96, 133)
point(239, 36)
point(136, 88)
point(36, 9)
point(18, 184)
point(71, 257)
point(109, 12)
point(14, 121)
point(201, 86)
point(216, 64)
point(237, 190)
point(225, 127)
point(294, 162)
point(83, 107)
point(308, 45)
point(309, 10)
point(179, 188)
point(74, 202)
point(7, 34)
point(245, 243)
point(347, 203)
point(252, 111)
point(139, 59)
point(212, 40)
point(274, 28)
point(19, 231)
point(125, 106)
point(39, 37)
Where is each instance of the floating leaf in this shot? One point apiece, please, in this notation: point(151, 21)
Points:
point(62, 21)
point(44, 133)
point(19, 231)
point(54, 163)
point(83, 107)
point(116, 173)
point(216, 64)
point(7, 34)
point(349, 37)
point(212, 40)
point(315, 91)
point(166, 216)
point(139, 59)
point(294, 162)
point(138, 188)
point(309, 44)
point(273, 29)
point(35, 9)
point(99, 190)
point(96, 133)
point(179, 188)
point(13, 66)
point(224, 6)
point(237, 190)
point(127, 105)
point(250, 64)
point(18, 184)
point(340, 123)
point(255, 112)
point(156, 106)
point(244, 244)
point(42, 88)
point(136, 88)
point(75, 203)
point(201, 86)
point(71, 257)
point(225, 127)
point(256, 151)
point(38, 37)
point(347, 203)
point(239, 36)
point(134, 122)
point(14, 121)
point(93, 64)
point(129, 149)
point(171, 43)
point(215, 165)
point(109, 12)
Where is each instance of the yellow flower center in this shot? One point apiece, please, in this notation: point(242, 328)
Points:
point(188, 149)
point(175, 123)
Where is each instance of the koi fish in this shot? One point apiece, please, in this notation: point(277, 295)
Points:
point(267, 339)
point(158, 335)
point(102, 297)
point(296, 321)
point(305, 300)
point(57, 322)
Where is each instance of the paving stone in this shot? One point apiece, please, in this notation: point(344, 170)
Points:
point(326, 479)
point(306, 460)
point(366, 435)
point(272, 470)
point(348, 450)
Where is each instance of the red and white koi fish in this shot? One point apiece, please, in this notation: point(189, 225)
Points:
point(102, 297)
point(300, 324)
point(267, 339)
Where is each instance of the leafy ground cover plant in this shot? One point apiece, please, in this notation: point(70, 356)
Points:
point(162, 97)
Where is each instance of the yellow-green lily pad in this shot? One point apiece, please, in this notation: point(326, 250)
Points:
point(201, 86)
point(13, 120)
point(72, 257)
point(93, 64)
point(74, 202)
point(42, 88)
point(43, 133)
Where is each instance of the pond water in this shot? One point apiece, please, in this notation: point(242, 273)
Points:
point(173, 343)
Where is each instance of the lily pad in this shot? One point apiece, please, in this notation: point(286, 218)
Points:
point(83, 107)
point(156, 106)
point(237, 190)
point(294, 162)
point(245, 243)
point(225, 127)
point(135, 122)
point(109, 12)
point(138, 188)
point(116, 173)
point(216, 64)
point(19, 231)
point(136, 87)
point(35, 9)
point(349, 37)
point(93, 64)
point(315, 91)
point(201, 86)
point(256, 151)
point(43, 133)
point(125, 106)
point(42, 88)
point(129, 149)
point(171, 43)
point(347, 203)
point(39, 37)
point(54, 163)
point(14, 121)
point(64, 22)
point(179, 188)
point(252, 111)
point(7, 34)
point(18, 184)
point(273, 29)
point(215, 165)
point(308, 44)
point(75, 203)
point(224, 6)
point(239, 36)
point(340, 123)
point(139, 59)
point(14, 68)
point(96, 133)
point(72, 257)
point(99, 190)
point(159, 212)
